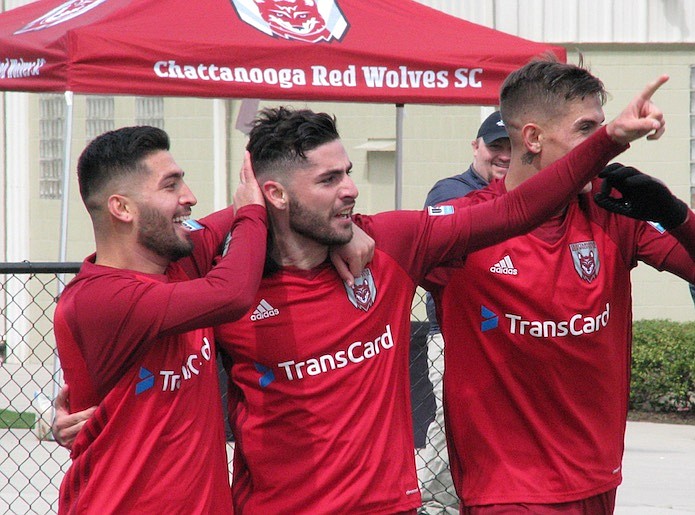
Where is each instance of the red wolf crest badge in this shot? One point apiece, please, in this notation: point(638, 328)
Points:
point(586, 259)
point(62, 13)
point(311, 21)
point(363, 293)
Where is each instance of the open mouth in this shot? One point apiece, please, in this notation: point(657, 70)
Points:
point(345, 214)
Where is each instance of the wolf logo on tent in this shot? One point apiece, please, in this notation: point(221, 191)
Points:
point(311, 21)
point(62, 13)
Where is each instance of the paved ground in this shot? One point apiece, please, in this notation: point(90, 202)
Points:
point(658, 469)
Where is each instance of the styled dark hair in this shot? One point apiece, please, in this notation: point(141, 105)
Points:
point(546, 84)
point(116, 154)
point(282, 136)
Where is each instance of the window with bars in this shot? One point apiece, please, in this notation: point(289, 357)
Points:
point(51, 145)
point(100, 116)
point(149, 111)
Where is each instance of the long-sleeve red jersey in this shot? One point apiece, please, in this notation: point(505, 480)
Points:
point(538, 333)
point(139, 346)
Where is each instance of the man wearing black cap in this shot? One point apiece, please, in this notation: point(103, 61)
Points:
point(491, 155)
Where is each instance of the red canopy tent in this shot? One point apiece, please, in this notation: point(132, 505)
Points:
point(386, 51)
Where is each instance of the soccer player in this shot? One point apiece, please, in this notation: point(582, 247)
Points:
point(133, 334)
point(318, 370)
point(491, 155)
point(538, 328)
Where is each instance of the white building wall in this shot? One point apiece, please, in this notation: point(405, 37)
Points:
point(581, 21)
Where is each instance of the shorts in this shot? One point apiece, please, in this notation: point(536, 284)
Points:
point(601, 504)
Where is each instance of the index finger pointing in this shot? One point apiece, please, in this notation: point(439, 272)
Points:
point(652, 87)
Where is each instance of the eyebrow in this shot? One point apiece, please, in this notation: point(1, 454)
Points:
point(172, 175)
point(337, 170)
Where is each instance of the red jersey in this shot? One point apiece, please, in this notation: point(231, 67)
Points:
point(137, 345)
point(319, 381)
point(538, 336)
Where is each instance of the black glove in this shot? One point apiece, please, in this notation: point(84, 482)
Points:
point(643, 197)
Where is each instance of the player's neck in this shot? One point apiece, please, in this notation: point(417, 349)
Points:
point(518, 174)
point(292, 249)
point(138, 259)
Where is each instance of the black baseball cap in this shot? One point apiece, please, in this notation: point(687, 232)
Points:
point(492, 128)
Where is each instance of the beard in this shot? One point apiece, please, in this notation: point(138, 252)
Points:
point(157, 234)
point(307, 223)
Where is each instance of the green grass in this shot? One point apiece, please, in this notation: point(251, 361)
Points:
point(12, 420)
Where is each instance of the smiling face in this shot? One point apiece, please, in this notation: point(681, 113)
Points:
point(163, 201)
point(322, 196)
point(491, 161)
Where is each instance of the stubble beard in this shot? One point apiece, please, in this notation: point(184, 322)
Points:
point(307, 223)
point(157, 234)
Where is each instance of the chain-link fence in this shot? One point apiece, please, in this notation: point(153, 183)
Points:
point(32, 464)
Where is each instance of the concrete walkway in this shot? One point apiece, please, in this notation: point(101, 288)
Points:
point(658, 470)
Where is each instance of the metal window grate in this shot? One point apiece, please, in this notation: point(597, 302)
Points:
point(149, 111)
point(51, 145)
point(100, 116)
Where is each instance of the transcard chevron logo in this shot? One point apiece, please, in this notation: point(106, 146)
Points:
point(490, 319)
point(147, 381)
point(267, 376)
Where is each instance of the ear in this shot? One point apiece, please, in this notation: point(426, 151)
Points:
point(275, 194)
point(475, 144)
point(532, 138)
point(121, 208)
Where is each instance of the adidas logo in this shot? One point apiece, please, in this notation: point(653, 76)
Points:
point(504, 267)
point(264, 310)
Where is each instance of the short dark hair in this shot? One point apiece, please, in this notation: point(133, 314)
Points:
point(283, 136)
point(116, 154)
point(547, 84)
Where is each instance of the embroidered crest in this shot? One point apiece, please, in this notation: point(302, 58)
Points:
point(586, 259)
point(311, 21)
point(363, 293)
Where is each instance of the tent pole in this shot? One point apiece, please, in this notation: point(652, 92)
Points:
point(399, 155)
point(66, 179)
point(62, 257)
